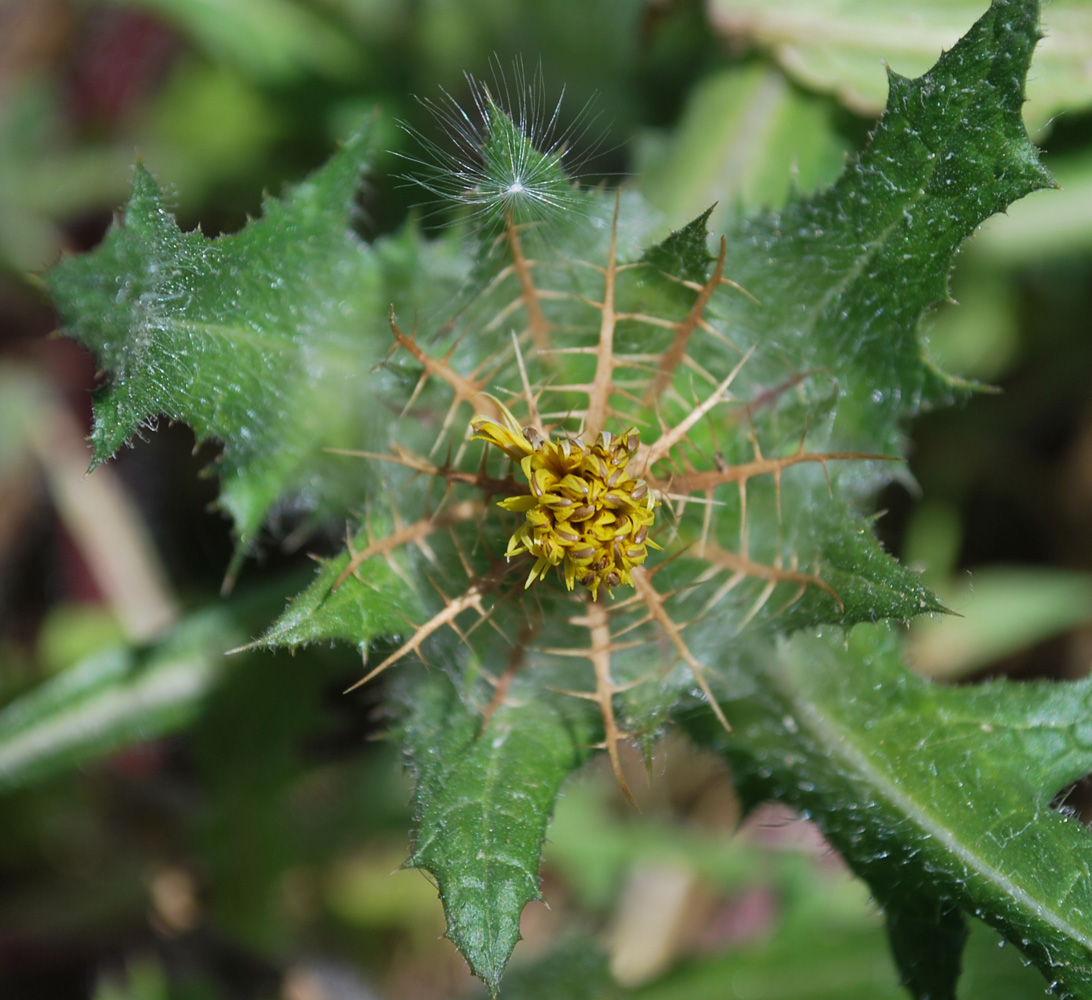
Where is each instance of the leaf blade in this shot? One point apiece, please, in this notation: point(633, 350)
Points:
point(483, 801)
point(840, 735)
point(845, 277)
point(112, 699)
point(258, 339)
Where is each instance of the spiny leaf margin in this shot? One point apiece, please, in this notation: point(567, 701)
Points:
point(929, 793)
point(261, 339)
point(844, 278)
point(484, 797)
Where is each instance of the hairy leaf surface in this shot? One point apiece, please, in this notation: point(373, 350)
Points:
point(844, 278)
point(939, 797)
point(827, 304)
point(483, 801)
point(261, 339)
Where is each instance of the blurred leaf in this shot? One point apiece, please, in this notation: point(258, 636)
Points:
point(208, 124)
point(992, 971)
point(368, 891)
point(252, 746)
point(1004, 610)
point(71, 632)
point(747, 139)
point(817, 960)
point(27, 241)
point(25, 398)
point(575, 970)
point(931, 793)
point(144, 979)
point(978, 335)
point(267, 39)
point(932, 541)
point(114, 698)
point(840, 46)
point(826, 963)
point(593, 848)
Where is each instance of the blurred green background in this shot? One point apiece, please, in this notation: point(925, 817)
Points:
point(230, 826)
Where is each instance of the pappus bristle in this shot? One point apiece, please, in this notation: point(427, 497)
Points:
point(507, 157)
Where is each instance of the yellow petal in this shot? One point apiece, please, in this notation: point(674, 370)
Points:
point(519, 504)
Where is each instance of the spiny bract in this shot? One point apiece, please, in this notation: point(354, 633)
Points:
point(628, 421)
point(590, 510)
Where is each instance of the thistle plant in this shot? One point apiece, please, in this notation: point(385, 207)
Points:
point(618, 475)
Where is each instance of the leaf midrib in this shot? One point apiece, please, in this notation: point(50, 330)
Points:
point(840, 745)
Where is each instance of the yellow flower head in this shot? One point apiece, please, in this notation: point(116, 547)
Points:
point(585, 514)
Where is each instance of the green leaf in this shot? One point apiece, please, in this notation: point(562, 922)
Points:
point(840, 47)
point(927, 940)
point(576, 970)
point(837, 287)
point(483, 797)
point(262, 339)
point(684, 253)
point(845, 278)
point(870, 584)
point(1001, 611)
point(825, 962)
point(114, 698)
point(820, 959)
point(930, 793)
point(1046, 226)
point(815, 361)
point(369, 603)
point(271, 39)
point(747, 139)
point(24, 404)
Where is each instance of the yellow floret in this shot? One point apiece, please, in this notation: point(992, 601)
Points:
point(584, 514)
